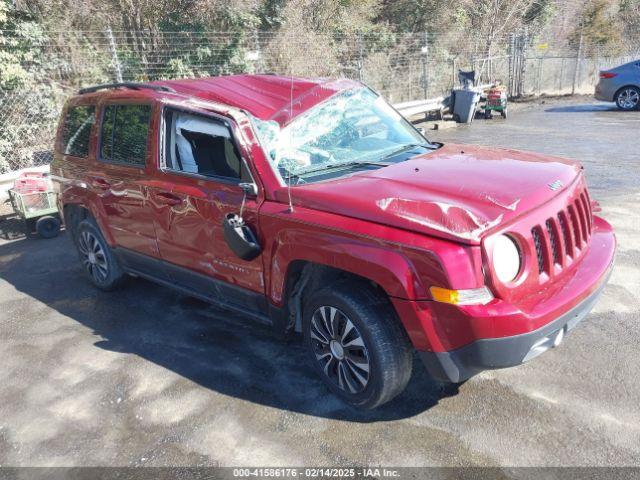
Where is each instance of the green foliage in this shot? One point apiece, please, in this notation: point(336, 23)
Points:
point(19, 39)
point(630, 10)
point(27, 104)
point(271, 14)
point(597, 26)
point(540, 13)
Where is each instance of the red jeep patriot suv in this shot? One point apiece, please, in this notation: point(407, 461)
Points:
point(312, 205)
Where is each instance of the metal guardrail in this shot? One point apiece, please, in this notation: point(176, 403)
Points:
point(415, 107)
point(438, 104)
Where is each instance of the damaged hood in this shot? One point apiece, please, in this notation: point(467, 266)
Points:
point(456, 192)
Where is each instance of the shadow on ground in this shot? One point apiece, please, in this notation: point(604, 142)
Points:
point(216, 349)
point(11, 227)
point(602, 107)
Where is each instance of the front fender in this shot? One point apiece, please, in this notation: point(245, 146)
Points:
point(390, 269)
point(404, 264)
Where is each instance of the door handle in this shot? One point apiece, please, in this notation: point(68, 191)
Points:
point(100, 183)
point(168, 198)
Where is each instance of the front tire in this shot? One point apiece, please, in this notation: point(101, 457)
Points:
point(628, 98)
point(98, 261)
point(356, 344)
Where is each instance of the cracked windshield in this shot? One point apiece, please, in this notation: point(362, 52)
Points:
point(352, 129)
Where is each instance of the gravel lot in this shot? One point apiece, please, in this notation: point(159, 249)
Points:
point(146, 376)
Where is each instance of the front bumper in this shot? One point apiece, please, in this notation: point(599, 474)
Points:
point(491, 353)
point(456, 342)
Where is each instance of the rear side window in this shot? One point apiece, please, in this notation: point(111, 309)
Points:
point(76, 130)
point(124, 133)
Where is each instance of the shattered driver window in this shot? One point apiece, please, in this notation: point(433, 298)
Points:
point(197, 144)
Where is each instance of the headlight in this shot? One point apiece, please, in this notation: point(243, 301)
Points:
point(506, 258)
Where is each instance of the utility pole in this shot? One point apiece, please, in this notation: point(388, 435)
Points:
point(114, 54)
point(524, 41)
point(360, 57)
point(453, 73)
point(539, 80)
point(425, 60)
point(511, 64)
point(576, 71)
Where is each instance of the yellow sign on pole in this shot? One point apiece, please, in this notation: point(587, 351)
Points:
point(543, 46)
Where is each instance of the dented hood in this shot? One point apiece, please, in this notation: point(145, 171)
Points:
point(456, 192)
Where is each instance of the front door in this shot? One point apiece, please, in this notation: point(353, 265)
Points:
point(203, 165)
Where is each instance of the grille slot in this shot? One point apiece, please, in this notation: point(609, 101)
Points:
point(566, 233)
point(587, 202)
point(575, 227)
point(535, 233)
point(582, 219)
point(587, 212)
point(553, 241)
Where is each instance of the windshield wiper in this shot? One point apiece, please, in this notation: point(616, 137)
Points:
point(329, 166)
point(355, 163)
point(409, 146)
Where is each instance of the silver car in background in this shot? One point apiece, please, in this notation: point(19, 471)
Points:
point(621, 85)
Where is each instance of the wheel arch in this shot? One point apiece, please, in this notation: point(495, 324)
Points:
point(388, 268)
point(75, 212)
point(305, 276)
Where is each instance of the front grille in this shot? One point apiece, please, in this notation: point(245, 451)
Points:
point(565, 235)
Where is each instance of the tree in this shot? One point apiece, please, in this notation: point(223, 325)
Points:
point(597, 26)
point(28, 100)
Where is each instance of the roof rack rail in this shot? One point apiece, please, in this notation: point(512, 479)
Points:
point(133, 85)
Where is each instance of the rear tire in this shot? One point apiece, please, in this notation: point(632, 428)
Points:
point(98, 261)
point(628, 98)
point(48, 226)
point(356, 344)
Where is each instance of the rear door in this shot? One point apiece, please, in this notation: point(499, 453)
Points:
point(119, 180)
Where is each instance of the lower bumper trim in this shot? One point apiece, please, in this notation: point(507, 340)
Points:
point(492, 353)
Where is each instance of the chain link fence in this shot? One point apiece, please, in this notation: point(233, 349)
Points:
point(49, 66)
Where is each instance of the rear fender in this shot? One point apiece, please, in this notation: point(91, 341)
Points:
point(74, 192)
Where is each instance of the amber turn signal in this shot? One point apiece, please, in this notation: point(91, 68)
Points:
point(474, 296)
